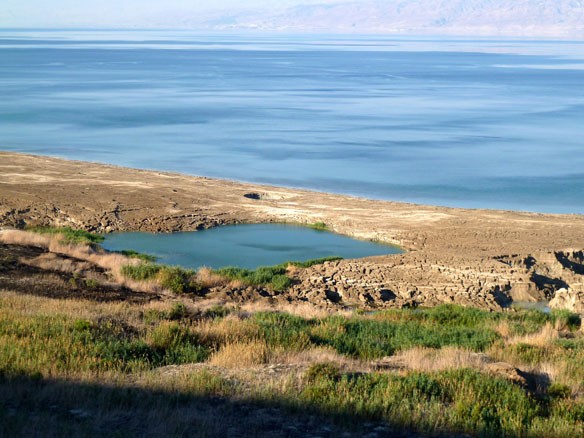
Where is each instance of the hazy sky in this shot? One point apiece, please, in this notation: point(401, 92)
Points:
point(80, 13)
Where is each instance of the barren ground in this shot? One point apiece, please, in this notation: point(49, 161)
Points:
point(471, 257)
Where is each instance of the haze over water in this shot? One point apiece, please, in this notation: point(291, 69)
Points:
point(469, 123)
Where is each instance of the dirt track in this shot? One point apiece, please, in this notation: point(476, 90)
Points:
point(476, 257)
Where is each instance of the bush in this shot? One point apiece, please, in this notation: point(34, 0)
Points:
point(144, 271)
point(273, 276)
point(281, 282)
point(320, 371)
point(177, 312)
point(217, 311)
point(557, 390)
point(176, 279)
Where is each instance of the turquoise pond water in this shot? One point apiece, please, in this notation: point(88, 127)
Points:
point(246, 246)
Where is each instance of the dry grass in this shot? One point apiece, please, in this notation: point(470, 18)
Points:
point(555, 371)
point(293, 270)
point(18, 237)
point(303, 310)
point(503, 329)
point(52, 262)
point(111, 262)
point(208, 279)
point(228, 330)
point(240, 354)
point(320, 355)
point(543, 338)
point(73, 308)
point(432, 360)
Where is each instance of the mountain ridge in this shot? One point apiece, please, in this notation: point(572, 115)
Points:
point(477, 17)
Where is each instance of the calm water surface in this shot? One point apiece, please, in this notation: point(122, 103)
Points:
point(474, 123)
point(247, 246)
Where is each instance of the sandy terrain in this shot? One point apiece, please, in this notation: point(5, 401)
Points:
point(476, 257)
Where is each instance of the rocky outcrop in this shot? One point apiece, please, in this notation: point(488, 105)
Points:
point(568, 299)
point(416, 279)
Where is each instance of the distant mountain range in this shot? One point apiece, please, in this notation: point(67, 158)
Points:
point(454, 17)
point(530, 18)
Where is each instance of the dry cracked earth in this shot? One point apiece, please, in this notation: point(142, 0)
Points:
point(483, 258)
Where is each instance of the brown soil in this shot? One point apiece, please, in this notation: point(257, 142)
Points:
point(474, 257)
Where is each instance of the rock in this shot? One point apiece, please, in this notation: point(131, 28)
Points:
point(568, 299)
point(507, 371)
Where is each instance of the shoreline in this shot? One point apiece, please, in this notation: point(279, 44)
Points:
point(484, 258)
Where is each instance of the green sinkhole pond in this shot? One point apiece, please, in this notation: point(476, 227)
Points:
point(246, 246)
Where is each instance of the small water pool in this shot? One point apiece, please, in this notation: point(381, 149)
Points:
point(246, 246)
point(542, 306)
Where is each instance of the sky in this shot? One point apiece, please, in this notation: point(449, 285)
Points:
point(83, 13)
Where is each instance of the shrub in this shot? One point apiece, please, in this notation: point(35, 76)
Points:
point(217, 311)
point(176, 279)
point(91, 283)
point(144, 271)
point(320, 371)
point(177, 312)
point(557, 390)
point(320, 226)
point(313, 262)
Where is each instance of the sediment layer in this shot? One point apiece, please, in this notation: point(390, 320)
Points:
point(482, 258)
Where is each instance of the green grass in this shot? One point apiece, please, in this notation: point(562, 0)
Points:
point(273, 276)
point(365, 338)
point(320, 226)
point(173, 278)
point(69, 235)
point(43, 341)
point(313, 262)
point(141, 272)
point(56, 344)
point(459, 401)
point(136, 255)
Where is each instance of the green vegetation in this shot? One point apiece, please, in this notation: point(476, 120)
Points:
point(320, 226)
point(45, 341)
point(365, 338)
point(136, 255)
point(180, 280)
point(173, 278)
point(141, 272)
point(460, 401)
point(274, 276)
point(69, 235)
point(313, 262)
point(45, 345)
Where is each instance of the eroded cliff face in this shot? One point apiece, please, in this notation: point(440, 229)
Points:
point(482, 258)
point(414, 279)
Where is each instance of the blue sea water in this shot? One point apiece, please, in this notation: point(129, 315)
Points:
point(485, 123)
